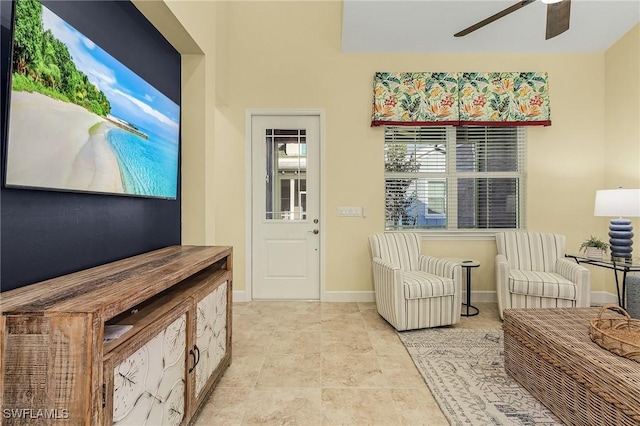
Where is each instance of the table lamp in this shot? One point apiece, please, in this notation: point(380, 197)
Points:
point(618, 203)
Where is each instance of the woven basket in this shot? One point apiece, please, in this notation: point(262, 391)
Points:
point(618, 335)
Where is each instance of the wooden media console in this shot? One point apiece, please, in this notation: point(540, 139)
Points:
point(173, 308)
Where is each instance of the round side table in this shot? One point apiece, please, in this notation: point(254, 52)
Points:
point(467, 264)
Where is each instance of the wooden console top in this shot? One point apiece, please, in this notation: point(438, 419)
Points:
point(113, 287)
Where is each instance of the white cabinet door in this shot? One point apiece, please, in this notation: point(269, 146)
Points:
point(149, 385)
point(211, 334)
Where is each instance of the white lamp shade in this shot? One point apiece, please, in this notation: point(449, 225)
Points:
point(617, 203)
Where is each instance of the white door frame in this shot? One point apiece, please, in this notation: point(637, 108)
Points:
point(248, 264)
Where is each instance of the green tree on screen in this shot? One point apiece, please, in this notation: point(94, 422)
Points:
point(43, 64)
point(47, 67)
point(27, 33)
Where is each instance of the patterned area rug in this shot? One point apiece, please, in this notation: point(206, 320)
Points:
point(464, 369)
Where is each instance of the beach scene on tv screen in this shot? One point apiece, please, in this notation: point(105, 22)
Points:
point(80, 120)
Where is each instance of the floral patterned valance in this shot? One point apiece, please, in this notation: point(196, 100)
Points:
point(469, 98)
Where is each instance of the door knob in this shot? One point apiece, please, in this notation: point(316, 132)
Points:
point(315, 231)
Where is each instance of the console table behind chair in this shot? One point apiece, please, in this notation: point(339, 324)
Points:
point(617, 266)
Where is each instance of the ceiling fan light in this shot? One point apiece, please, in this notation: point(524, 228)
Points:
point(551, 1)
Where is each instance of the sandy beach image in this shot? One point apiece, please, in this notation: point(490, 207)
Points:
point(54, 144)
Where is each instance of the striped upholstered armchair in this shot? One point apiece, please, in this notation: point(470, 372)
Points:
point(532, 272)
point(413, 290)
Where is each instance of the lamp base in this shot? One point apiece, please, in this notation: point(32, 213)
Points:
point(620, 238)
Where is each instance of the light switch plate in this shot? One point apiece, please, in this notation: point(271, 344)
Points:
point(350, 211)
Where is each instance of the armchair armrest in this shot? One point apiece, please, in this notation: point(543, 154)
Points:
point(502, 271)
point(441, 267)
point(578, 274)
point(502, 282)
point(445, 268)
point(384, 265)
point(501, 262)
point(386, 274)
point(389, 291)
point(571, 270)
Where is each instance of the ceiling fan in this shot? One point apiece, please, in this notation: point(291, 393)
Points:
point(558, 12)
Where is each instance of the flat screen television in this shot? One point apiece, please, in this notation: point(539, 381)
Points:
point(80, 120)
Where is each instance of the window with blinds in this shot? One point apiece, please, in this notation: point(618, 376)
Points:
point(454, 178)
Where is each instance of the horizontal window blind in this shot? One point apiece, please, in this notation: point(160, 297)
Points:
point(454, 177)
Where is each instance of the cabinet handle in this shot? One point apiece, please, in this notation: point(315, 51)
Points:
point(193, 354)
point(198, 352)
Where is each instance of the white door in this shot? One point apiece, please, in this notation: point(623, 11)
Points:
point(285, 206)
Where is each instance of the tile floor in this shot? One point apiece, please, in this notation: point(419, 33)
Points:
point(313, 363)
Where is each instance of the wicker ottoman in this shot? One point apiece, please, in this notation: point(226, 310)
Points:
point(549, 352)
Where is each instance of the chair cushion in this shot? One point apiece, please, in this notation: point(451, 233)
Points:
point(541, 284)
point(422, 285)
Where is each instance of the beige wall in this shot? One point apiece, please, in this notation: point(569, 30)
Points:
point(190, 26)
point(622, 122)
point(622, 112)
point(287, 55)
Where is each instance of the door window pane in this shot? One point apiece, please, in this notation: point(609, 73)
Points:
point(286, 174)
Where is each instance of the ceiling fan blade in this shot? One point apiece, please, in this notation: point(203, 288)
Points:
point(492, 18)
point(558, 15)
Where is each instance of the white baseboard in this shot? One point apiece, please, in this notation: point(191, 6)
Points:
point(239, 296)
point(349, 296)
point(329, 296)
point(481, 296)
point(597, 297)
point(603, 298)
